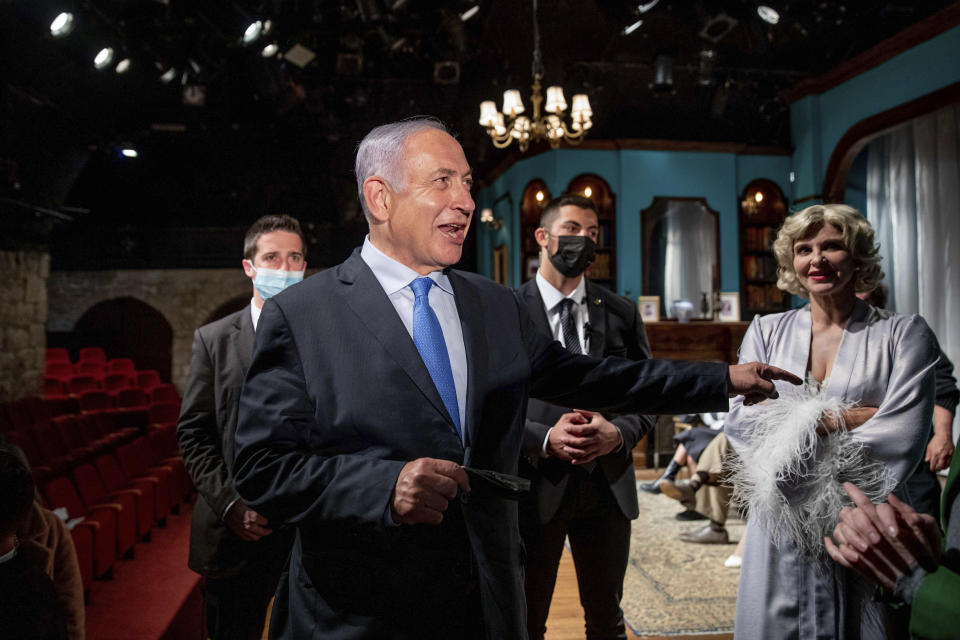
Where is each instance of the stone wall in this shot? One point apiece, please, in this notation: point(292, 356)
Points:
point(23, 312)
point(185, 297)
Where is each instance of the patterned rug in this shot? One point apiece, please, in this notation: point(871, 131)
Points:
point(674, 587)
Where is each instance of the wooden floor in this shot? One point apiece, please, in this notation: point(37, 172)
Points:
point(566, 615)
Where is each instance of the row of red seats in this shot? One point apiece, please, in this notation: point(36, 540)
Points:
point(86, 354)
point(121, 495)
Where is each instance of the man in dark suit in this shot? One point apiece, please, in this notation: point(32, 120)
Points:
point(233, 546)
point(580, 463)
point(383, 389)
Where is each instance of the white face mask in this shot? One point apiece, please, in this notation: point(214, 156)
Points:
point(270, 282)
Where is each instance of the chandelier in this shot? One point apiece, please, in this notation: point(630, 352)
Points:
point(508, 125)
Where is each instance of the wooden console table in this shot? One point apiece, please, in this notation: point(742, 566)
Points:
point(695, 340)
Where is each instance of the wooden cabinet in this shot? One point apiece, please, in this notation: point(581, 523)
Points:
point(762, 212)
point(705, 341)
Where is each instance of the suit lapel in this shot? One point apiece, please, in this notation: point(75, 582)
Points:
point(470, 310)
point(538, 312)
point(243, 338)
point(597, 316)
point(365, 296)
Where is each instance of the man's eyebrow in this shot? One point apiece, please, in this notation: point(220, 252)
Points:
point(453, 172)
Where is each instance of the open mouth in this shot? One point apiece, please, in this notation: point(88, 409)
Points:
point(453, 230)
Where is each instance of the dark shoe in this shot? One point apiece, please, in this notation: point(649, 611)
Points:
point(706, 535)
point(679, 490)
point(689, 515)
point(650, 487)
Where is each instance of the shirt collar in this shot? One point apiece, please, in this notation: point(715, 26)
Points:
point(254, 313)
point(395, 276)
point(551, 295)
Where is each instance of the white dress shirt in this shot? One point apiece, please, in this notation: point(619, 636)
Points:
point(552, 298)
point(254, 313)
point(395, 278)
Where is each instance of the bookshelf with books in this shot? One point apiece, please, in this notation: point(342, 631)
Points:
point(603, 271)
point(762, 211)
point(535, 198)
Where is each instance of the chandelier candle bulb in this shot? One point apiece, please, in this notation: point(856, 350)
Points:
point(556, 103)
point(512, 103)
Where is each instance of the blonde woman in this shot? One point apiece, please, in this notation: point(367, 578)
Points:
point(878, 366)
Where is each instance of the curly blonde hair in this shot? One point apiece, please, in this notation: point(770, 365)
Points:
point(858, 237)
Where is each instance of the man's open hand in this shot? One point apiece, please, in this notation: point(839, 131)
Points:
point(754, 381)
point(425, 488)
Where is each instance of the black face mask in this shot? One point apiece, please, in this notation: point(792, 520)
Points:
point(574, 254)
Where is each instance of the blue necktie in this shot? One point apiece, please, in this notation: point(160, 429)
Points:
point(428, 337)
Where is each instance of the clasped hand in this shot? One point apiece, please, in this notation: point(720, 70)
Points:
point(883, 541)
point(582, 436)
point(246, 523)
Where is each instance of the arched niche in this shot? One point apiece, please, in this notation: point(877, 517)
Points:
point(603, 271)
point(536, 195)
point(230, 306)
point(860, 134)
point(763, 209)
point(128, 328)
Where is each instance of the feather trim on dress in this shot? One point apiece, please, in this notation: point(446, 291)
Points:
point(790, 478)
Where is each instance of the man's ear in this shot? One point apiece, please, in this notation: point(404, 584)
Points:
point(248, 268)
point(378, 197)
point(541, 236)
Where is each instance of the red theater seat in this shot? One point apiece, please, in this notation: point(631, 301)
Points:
point(116, 381)
point(134, 467)
point(148, 379)
point(62, 370)
point(144, 491)
point(52, 387)
point(95, 400)
point(87, 368)
point(131, 397)
point(93, 493)
point(165, 392)
point(57, 354)
point(78, 384)
point(92, 354)
point(122, 365)
point(60, 492)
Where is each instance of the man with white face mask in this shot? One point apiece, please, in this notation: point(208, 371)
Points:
point(235, 548)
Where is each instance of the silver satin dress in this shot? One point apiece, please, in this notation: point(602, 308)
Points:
point(884, 360)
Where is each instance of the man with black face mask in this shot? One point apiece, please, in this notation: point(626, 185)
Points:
point(580, 462)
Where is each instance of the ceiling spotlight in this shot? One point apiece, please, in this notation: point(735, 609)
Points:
point(103, 58)
point(768, 14)
point(167, 76)
point(662, 74)
point(267, 27)
point(252, 32)
point(469, 13)
point(632, 28)
point(129, 152)
point(62, 25)
point(123, 66)
point(646, 6)
point(270, 50)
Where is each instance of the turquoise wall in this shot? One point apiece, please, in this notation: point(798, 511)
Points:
point(635, 177)
point(818, 122)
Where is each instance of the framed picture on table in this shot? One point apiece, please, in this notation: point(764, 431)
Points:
point(649, 308)
point(729, 307)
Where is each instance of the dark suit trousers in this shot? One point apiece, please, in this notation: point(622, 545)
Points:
point(236, 606)
point(600, 541)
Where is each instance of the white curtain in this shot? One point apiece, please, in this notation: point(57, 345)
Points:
point(690, 253)
point(913, 201)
